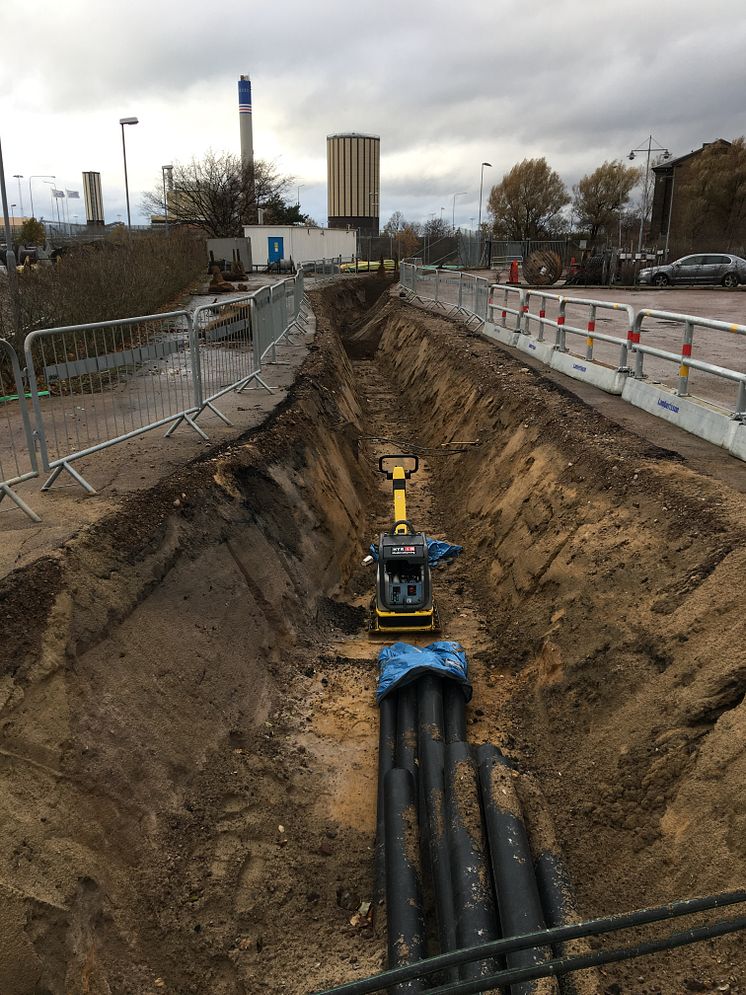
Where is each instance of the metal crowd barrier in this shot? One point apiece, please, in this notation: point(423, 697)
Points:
point(452, 292)
point(93, 386)
point(684, 359)
point(107, 382)
point(541, 316)
point(529, 312)
point(505, 306)
point(17, 453)
point(225, 342)
point(322, 267)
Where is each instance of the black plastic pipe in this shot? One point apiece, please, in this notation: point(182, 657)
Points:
point(564, 965)
point(454, 707)
point(590, 927)
point(470, 874)
point(405, 922)
point(406, 730)
point(555, 888)
point(518, 902)
point(386, 749)
point(431, 761)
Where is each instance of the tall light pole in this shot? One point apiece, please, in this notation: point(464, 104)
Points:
point(122, 122)
point(19, 177)
point(13, 216)
point(37, 176)
point(481, 191)
point(10, 258)
point(300, 187)
point(164, 170)
point(461, 193)
point(645, 191)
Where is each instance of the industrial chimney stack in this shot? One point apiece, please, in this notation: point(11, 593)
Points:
point(247, 144)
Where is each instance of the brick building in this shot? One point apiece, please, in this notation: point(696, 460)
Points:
point(671, 206)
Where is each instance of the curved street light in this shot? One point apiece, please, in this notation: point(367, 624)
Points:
point(19, 177)
point(645, 190)
point(37, 176)
point(164, 170)
point(461, 193)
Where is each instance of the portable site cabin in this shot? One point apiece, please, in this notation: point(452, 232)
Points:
point(278, 243)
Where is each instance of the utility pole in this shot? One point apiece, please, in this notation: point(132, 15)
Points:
point(10, 257)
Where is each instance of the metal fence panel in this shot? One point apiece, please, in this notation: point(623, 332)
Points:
point(97, 384)
point(225, 346)
point(17, 453)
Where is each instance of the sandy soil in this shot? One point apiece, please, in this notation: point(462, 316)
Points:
point(187, 730)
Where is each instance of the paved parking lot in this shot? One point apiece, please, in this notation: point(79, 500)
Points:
point(719, 348)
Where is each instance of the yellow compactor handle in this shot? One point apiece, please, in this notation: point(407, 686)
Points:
point(398, 475)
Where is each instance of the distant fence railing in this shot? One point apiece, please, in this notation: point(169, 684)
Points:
point(522, 317)
point(93, 386)
point(323, 267)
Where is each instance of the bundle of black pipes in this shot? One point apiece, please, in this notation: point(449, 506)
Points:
point(455, 859)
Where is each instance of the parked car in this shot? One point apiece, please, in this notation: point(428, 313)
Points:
point(703, 268)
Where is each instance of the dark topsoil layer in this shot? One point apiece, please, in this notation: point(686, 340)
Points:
point(173, 710)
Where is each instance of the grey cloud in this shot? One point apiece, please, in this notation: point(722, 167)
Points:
point(445, 85)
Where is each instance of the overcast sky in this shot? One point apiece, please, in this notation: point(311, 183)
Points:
point(445, 85)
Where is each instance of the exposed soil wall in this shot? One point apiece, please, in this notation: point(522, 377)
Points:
point(607, 575)
point(143, 674)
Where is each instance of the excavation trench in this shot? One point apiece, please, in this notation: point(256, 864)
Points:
point(188, 733)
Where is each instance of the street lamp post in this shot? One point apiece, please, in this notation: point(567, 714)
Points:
point(123, 121)
point(300, 187)
point(164, 170)
point(645, 190)
point(461, 193)
point(19, 177)
point(481, 191)
point(37, 176)
point(10, 258)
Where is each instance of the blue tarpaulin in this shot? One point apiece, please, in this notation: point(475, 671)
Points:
point(402, 663)
point(437, 551)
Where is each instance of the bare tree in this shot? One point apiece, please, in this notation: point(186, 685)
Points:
point(528, 201)
point(394, 224)
point(215, 194)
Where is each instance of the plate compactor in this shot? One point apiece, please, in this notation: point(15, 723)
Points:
point(404, 598)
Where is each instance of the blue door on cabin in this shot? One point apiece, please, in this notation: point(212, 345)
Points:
point(275, 249)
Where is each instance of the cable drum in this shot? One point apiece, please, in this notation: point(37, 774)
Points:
point(542, 268)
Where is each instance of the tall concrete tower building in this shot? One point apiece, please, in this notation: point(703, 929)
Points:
point(353, 181)
point(94, 198)
point(247, 143)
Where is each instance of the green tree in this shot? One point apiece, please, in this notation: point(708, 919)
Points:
point(277, 211)
point(600, 196)
point(715, 194)
point(527, 202)
point(32, 232)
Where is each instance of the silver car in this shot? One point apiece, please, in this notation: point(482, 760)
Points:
point(703, 268)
